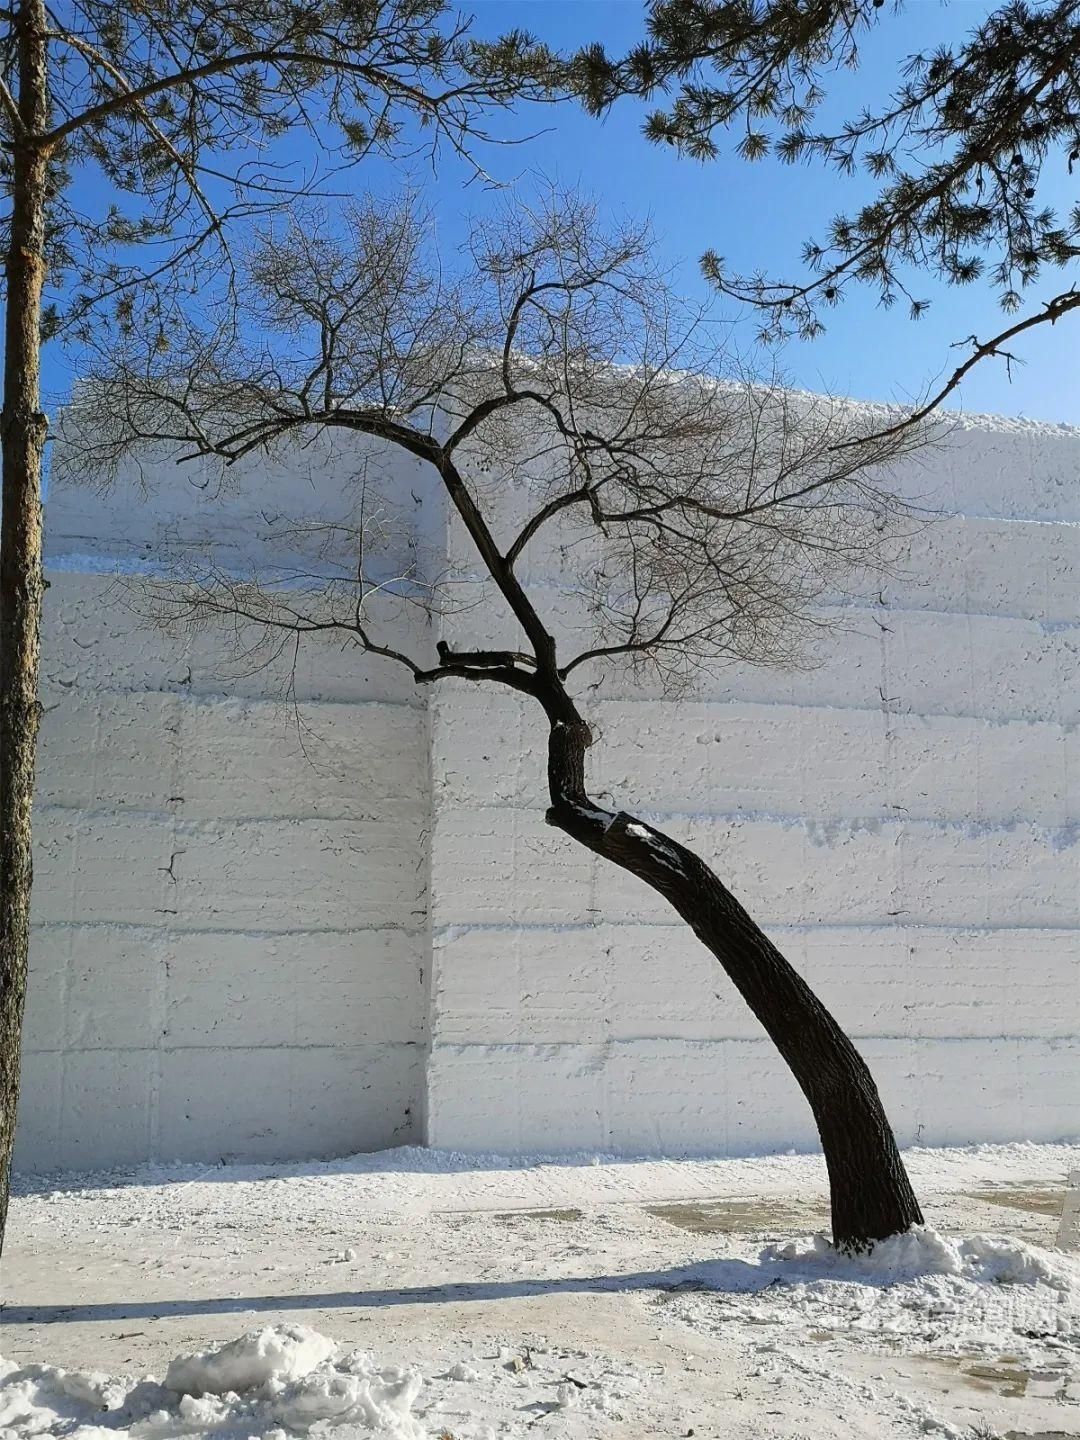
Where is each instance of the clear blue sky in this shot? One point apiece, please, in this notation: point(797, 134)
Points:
point(756, 216)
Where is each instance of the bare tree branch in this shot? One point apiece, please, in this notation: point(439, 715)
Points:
point(696, 515)
point(1049, 313)
point(713, 511)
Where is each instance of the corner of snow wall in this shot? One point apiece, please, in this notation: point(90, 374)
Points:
point(230, 927)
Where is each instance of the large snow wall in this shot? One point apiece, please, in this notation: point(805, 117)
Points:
point(230, 949)
point(287, 928)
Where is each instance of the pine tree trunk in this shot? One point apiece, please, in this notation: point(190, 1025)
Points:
point(870, 1190)
point(22, 437)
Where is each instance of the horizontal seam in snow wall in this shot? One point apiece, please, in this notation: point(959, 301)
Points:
point(188, 933)
point(448, 933)
point(762, 1041)
point(233, 1048)
point(821, 832)
point(214, 698)
point(194, 826)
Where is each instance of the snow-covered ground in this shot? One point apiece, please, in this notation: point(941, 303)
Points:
point(423, 1293)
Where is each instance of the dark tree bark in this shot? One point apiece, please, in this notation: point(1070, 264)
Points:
point(871, 1194)
point(22, 438)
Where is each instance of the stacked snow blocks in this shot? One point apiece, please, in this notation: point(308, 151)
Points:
point(904, 819)
point(275, 928)
point(230, 943)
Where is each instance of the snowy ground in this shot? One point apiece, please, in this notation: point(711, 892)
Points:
point(478, 1298)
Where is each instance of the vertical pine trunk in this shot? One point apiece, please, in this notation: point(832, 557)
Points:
point(871, 1194)
point(22, 441)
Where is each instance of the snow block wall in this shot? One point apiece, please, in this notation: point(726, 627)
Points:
point(904, 819)
point(230, 887)
point(271, 929)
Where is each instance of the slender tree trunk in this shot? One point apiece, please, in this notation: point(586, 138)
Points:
point(22, 437)
point(871, 1193)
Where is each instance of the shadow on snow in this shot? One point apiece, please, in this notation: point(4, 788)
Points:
point(734, 1276)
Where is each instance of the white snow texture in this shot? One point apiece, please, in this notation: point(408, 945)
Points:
point(291, 1380)
point(281, 1378)
point(264, 933)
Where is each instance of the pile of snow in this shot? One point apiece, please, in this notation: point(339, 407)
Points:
point(978, 1295)
point(259, 1358)
point(981, 1259)
point(279, 1381)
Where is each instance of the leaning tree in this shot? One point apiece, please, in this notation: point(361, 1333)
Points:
point(554, 363)
point(957, 150)
point(136, 136)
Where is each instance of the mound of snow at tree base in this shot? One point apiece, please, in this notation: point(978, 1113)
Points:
point(981, 1259)
point(285, 1380)
point(922, 1292)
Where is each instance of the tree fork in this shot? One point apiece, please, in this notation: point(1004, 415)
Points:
point(871, 1194)
point(22, 445)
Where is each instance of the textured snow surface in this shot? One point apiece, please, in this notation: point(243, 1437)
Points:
point(950, 1295)
point(280, 1380)
point(253, 1360)
point(413, 1181)
point(901, 815)
point(291, 1380)
point(416, 1293)
point(922, 1251)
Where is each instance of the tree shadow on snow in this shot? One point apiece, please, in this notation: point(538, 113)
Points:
point(733, 1276)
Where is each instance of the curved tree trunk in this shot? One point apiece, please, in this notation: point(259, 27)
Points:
point(871, 1194)
point(21, 583)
